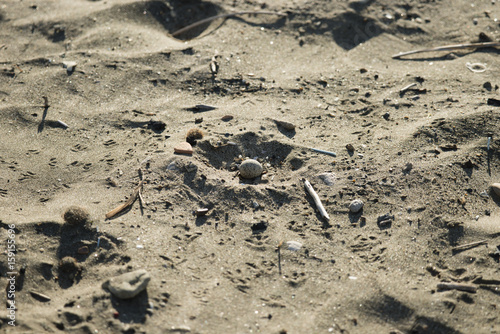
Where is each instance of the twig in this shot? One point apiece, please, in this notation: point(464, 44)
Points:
point(316, 199)
point(40, 296)
point(472, 244)
point(404, 89)
point(457, 286)
point(449, 48)
point(279, 256)
point(127, 204)
point(223, 16)
point(333, 154)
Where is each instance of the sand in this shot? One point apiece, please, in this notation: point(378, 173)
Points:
point(122, 93)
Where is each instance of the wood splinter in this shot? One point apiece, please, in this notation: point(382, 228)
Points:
point(316, 199)
point(127, 204)
point(470, 245)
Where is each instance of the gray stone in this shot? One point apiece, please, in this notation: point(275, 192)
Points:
point(356, 206)
point(128, 285)
point(327, 178)
point(250, 169)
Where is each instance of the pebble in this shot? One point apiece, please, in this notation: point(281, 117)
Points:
point(69, 66)
point(183, 148)
point(128, 285)
point(75, 215)
point(286, 125)
point(327, 178)
point(293, 245)
point(356, 206)
point(250, 169)
point(350, 147)
point(496, 188)
point(83, 250)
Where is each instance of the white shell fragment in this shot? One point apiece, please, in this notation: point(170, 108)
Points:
point(293, 245)
point(250, 169)
point(356, 206)
point(476, 67)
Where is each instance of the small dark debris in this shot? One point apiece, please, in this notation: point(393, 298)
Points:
point(487, 85)
point(494, 102)
point(385, 219)
point(448, 147)
point(468, 164)
point(259, 227)
point(157, 126)
point(386, 116)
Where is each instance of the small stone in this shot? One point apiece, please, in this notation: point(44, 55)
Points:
point(128, 285)
point(496, 188)
point(76, 215)
point(227, 118)
point(201, 212)
point(327, 178)
point(294, 245)
point(83, 250)
point(250, 169)
point(183, 148)
point(350, 147)
point(386, 116)
point(356, 206)
point(69, 66)
point(285, 125)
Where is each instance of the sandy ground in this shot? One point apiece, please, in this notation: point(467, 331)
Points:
point(421, 156)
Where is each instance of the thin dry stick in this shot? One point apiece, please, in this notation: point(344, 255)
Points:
point(316, 199)
point(223, 16)
point(279, 256)
point(457, 286)
point(450, 48)
point(472, 244)
point(127, 204)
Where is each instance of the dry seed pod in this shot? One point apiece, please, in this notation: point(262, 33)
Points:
point(76, 215)
point(193, 135)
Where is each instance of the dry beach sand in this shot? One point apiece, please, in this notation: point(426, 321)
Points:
point(122, 93)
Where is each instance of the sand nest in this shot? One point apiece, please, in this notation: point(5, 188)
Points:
point(96, 95)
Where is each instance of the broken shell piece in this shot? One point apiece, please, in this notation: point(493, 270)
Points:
point(293, 245)
point(183, 148)
point(496, 188)
point(285, 125)
point(201, 212)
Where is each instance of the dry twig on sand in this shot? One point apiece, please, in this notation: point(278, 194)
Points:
point(449, 48)
point(127, 204)
point(470, 245)
point(223, 16)
point(316, 199)
point(456, 286)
